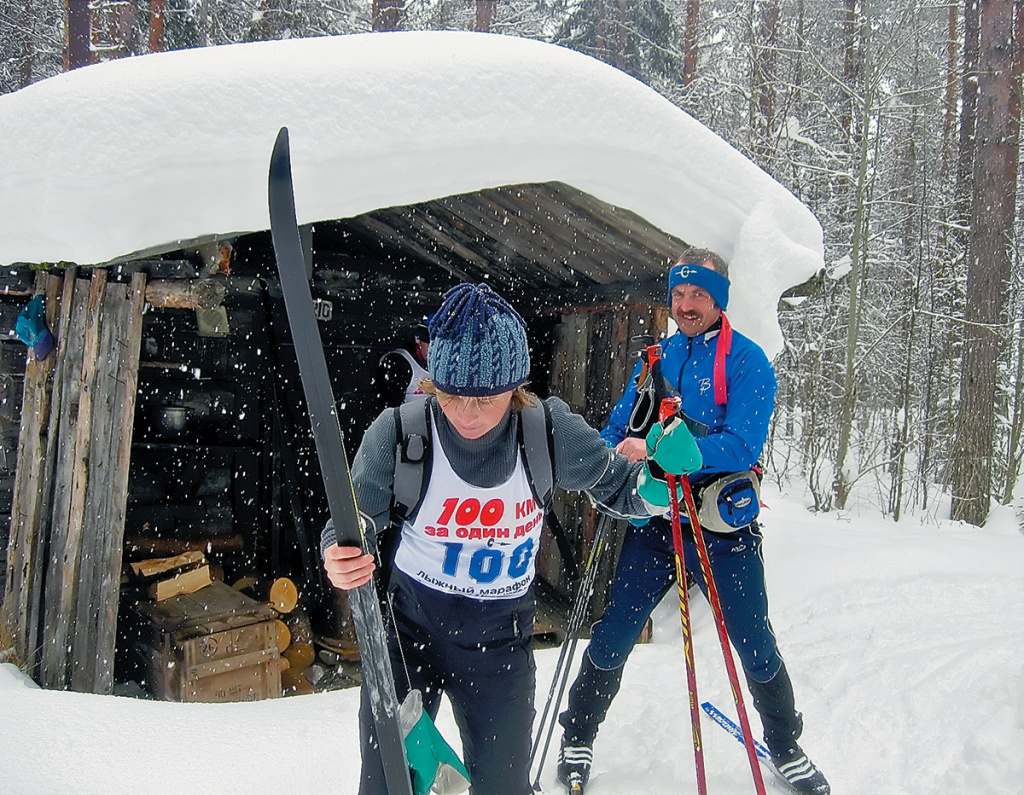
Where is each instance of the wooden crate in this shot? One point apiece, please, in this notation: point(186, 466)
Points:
point(213, 645)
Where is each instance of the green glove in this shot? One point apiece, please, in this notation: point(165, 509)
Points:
point(653, 490)
point(674, 449)
point(432, 762)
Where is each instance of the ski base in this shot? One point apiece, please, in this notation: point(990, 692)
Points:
point(330, 447)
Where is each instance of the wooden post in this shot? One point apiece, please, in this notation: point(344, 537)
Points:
point(27, 547)
point(113, 414)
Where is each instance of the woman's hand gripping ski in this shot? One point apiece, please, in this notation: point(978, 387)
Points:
point(670, 448)
point(348, 567)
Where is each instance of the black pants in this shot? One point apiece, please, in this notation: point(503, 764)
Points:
point(478, 653)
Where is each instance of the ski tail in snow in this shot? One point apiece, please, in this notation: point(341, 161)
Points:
point(726, 723)
point(763, 756)
point(330, 447)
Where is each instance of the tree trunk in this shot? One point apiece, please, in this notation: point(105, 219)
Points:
point(988, 278)
point(28, 47)
point(1014, 451)
point(484, 15)
point(968, 116)
point(950, 98)
point(690, 42)
point(79, 32)
point(387, 14)
point(858, 254)
point(851, 60)
point(764, 78)
point(156, 26)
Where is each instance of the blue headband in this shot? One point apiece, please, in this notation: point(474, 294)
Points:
point(707, 278)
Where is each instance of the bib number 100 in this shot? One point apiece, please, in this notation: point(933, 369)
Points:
point(486, 564)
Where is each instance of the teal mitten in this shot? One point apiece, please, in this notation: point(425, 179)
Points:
point(674, 449)
point(432, 762)
point(653, 490)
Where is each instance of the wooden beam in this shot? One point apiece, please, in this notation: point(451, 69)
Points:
point(514, 237)
point(197, 293)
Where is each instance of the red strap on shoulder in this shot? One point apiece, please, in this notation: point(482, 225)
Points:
point(722, 349)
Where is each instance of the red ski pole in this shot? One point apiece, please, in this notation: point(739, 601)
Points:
point(684, 613)
point(670, 407)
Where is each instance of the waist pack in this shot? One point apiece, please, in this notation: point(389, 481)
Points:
point(730, 501)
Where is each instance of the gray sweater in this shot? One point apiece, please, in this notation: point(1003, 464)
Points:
point(582, 462)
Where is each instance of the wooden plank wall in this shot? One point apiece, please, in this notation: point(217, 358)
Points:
point(591, 365)
point(72, 480)
point(23, 586)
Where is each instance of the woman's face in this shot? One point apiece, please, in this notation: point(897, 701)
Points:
point(473, 417)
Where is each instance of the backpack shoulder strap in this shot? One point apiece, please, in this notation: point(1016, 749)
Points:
point(412, 459)
point(536, 440)
point(537, 444)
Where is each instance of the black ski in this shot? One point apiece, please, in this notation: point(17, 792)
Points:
point(330, 448)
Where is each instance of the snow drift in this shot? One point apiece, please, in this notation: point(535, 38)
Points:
point(140, 153)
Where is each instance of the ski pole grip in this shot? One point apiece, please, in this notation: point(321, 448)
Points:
point(669, 409)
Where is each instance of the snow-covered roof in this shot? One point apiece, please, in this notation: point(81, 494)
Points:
point(128, 155)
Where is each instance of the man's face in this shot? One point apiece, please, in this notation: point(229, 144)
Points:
point(693, 308)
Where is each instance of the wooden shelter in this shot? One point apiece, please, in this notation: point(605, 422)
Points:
point(170, 415)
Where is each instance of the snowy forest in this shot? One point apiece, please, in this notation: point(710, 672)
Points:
point(896, 122)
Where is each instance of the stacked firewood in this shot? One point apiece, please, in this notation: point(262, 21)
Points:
point(294, 631)
point(179, 574)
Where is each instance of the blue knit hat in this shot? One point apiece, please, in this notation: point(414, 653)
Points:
point(477, 343)
point(707, 278)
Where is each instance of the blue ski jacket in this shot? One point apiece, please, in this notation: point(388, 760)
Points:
point(739, 428)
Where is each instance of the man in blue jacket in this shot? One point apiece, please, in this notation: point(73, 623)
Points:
point(726, 382)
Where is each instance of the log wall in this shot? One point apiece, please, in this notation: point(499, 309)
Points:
point(67, 526)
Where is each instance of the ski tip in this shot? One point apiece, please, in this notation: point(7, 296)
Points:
point(280, 158)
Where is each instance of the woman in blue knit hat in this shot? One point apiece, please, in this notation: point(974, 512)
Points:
point(459, 582)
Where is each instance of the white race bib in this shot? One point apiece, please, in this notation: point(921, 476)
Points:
point(473, 541)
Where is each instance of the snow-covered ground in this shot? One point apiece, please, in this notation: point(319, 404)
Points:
point(905, 642)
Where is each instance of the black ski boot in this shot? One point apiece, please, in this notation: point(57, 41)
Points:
point(783, 725)
point(574, 765)
point(589, 699)
point(794, 766)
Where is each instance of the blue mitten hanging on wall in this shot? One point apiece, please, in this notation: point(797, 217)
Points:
point(31, 328)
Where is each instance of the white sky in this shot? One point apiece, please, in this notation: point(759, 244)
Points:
point(904, 642)
point(128, 155)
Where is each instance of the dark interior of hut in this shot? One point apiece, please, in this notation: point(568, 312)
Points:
point(222, 460)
